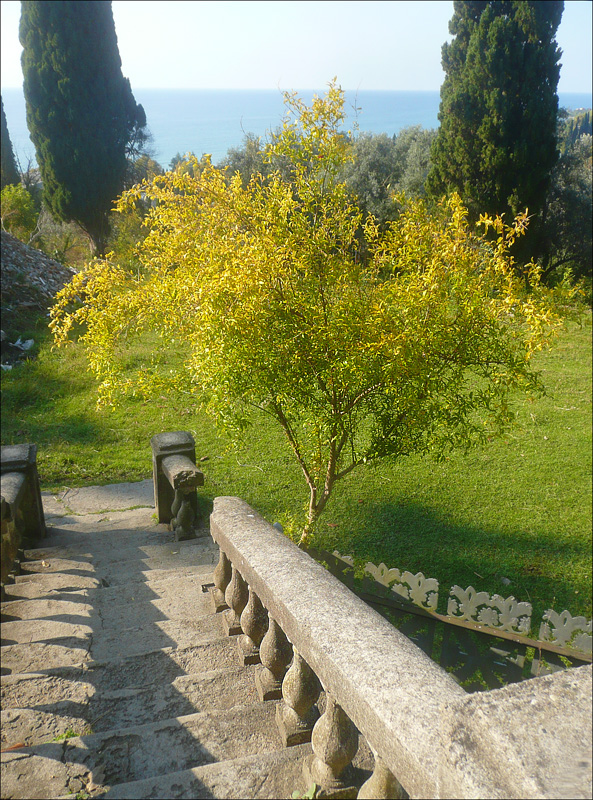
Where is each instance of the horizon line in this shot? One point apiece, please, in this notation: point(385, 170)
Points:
point(297, 89)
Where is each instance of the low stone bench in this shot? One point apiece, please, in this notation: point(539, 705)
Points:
point(176, 479)
point(23, 522)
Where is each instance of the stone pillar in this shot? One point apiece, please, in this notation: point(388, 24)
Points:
point(254, 624)
point(22, 459)
point(335, 742)
point(222, 578)
point(178, 443)
point(275, 653)
point(297, 715)
point(382, 784)
point(236, 596)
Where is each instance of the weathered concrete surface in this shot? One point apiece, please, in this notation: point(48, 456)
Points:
point(153, 635)
point(530, 740)
point(31, 775)
point(116, 543)
point(31, 689)
point(40, 714)
point(17, 658)
point(42, 630)
point(35, 570)
point(158, 748)
point(32, 726)
point(112, 571)
point(176, 593)
point(216, 690)
point(51, 586)
point(268, 775)
point(161, 666)
point(41, 608)
point(98, 499)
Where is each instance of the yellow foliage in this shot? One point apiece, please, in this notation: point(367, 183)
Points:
point(360, 343)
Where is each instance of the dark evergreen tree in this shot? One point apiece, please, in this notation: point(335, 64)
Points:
point(496, 144)
point(10, 174)
point(81, 113)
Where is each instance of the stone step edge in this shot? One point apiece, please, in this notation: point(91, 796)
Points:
point(93, 741)
point(259, 764)
point(206, 579)
point(27, 565)
point(85, 666)
point(202, 542)
point(38, 577)
point(115, 694)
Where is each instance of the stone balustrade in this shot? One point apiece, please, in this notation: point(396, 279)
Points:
point(23, 521)
point(429, 738)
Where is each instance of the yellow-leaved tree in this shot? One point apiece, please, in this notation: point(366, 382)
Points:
point(361, 342)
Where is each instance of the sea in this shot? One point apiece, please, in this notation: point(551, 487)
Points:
point(213, 121)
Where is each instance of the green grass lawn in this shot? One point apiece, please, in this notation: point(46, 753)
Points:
point(517, 509)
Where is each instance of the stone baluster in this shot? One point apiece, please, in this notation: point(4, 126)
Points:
point(382, 784)
point(183, 518)
point(335, 742)
point(236, 596)
point(297, 715)
point(222, 578)
point(254, 624)
point(275, 653)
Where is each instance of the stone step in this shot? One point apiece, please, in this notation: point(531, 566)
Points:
point(39, 690)
point(175, 596)
point(117, 547)
point(155, 635)
point(85, 710)
point(97, 530)
point(121, 571)
point(42, 630)
point(215, 690)
point(36, 642)
point(60, 610)
point(82, 709)
point(30, 727)
point(144, 751)
point(277, 774)
point(17, 658)
point(142, 671)
point(50, 586)
point(34, 776)
point(34, 585)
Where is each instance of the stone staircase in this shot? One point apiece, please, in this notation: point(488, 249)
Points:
point(118, 679)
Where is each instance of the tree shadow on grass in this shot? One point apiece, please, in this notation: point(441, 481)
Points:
point(540, 569)
point(37, 415)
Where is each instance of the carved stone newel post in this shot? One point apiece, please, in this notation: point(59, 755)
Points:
point(296, 716)
point(335, 742)
point(275, 653)
point(236, 599)
point(254, 624)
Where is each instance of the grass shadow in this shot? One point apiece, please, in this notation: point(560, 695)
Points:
point(412, 536)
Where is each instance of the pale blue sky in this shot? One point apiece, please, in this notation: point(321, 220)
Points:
point(294, 45)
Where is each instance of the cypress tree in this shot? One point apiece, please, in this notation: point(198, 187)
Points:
point(496, 144)
point(9, 172)
point(81, 112)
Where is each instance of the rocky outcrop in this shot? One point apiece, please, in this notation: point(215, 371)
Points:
point(30, 277)
point(30, 282)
